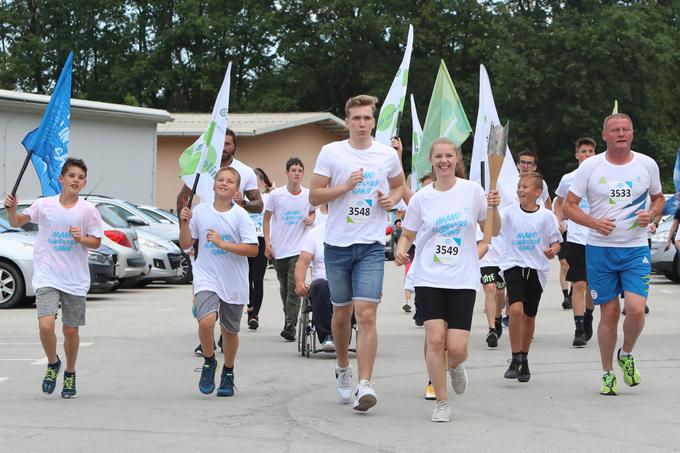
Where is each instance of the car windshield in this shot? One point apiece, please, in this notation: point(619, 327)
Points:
point(154, 215)
point(110, 217)
point(30, 226)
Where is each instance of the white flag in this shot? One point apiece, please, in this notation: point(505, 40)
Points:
point(415, 146)
point(393, 105)
point(487, 115)
point(206, 153)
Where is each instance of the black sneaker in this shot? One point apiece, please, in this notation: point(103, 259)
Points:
point(566, 303)
point(498, 325)
point(253, 323)
point(288, 332)
point(524, 374)
point(646, 309)
point(198, 352)
point(588, 325)
point(226, 387)
point(580, 339)
point(69, 390)
point(207, 382)
point(512, 371)
point(492, 339)
point(50, 380)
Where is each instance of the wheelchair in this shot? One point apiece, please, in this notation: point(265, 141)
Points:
point(307, 337)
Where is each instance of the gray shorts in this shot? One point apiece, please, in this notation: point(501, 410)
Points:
point(229, 314)
point(47, 302)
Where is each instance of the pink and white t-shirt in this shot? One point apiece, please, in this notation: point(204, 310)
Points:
point(59, 261)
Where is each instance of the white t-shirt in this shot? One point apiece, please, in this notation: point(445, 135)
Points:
point(313, 243)
point(576, 233)
point(59, 261)
point(541, 199)
point(320, 218)
point(356, 217)
point(493, 255)
point(525, 236)
point(446, 227)
point(617, 192)
point(258, 217)
point(286, 226)
point(215, 269)
point(248, 176)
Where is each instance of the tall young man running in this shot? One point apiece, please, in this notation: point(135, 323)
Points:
point(361, 180)
point(617, 183)
point(575, 250)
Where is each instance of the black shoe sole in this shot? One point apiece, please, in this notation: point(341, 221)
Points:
point(287, 336)
point(253, 324)
point(492, 341)
point(523, 377)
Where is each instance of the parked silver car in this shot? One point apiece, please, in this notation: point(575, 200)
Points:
point(122, 240)
point(666, 262)
point(141, 220)
point(16, 266)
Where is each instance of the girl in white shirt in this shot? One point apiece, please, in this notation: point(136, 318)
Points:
point(444, 216)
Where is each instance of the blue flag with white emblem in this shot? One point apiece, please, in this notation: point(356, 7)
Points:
point(49, 142)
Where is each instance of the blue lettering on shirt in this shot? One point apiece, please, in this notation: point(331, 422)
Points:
point(526, 241)
point(61, 241)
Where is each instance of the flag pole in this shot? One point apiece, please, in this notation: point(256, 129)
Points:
point(21, 172)
point(193, 189)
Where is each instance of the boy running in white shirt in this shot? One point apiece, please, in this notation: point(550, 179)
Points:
point(287, 216)
point(531, 237)
point(67, 228)
point(226, 237)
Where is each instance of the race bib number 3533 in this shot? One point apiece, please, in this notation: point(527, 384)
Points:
point(620, 191)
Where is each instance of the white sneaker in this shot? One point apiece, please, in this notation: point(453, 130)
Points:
point(459, 379)
point(343, 384)
point(328, 345)
point(364, 397)
point(441, 412)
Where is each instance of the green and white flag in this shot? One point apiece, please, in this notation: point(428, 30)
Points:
point(445, 118)
point(415, 145)
point(393, 106)
point(206, 153)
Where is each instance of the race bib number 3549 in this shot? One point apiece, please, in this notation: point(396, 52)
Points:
point(446, 250)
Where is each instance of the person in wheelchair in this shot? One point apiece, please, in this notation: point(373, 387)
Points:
point(312, 253)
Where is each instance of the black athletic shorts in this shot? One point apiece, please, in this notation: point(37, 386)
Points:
point(491, 274)
point(563, 253)
point(523, 285)
point(455, 306)
point(576, 257)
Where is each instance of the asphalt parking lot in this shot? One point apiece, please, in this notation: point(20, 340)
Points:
point(137, 389)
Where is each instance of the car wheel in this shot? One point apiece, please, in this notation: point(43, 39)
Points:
point(12, 286)
point(186, 276)
point(128, 283)
point(674, 275)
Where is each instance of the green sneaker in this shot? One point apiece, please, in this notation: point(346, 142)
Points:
point(630, 374)
point(608, 384)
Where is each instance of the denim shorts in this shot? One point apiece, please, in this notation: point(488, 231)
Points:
point(355, 272)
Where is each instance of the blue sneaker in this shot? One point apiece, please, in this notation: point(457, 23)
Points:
point(50, 380)
point(226, 387)
point(69, 390)
point(506, 321)
point(207, 383)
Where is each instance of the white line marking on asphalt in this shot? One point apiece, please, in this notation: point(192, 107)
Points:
point(3, 379)
point(168, 309)
point(16, 360)
point(42, 361)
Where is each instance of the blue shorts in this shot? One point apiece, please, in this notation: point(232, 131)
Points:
point(355, 272)
point(612, 270)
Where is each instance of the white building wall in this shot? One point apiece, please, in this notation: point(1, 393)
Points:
point(120, 154)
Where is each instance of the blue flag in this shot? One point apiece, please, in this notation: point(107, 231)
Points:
point(673, 203)
point(49, 142)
